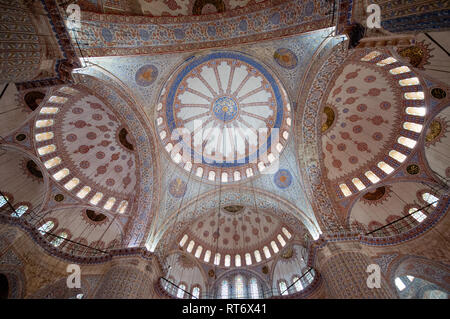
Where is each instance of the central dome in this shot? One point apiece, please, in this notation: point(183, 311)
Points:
point(223, 115)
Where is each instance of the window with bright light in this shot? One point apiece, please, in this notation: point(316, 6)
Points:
point(386, 61)
point(254, 288)
point(180, 292)
point(297, 284)
point(217, 259)
point(3, 201)
point(20, 211)
point(286, 232)
point(190, 246)
point(372, 55)
point(283, 288)
point(372, 177)
point(417, 214)
point(196, 292)
point(46, 227)
point(59, 240)
point(410, 81)
point(399, 283)
point(385, 167)
point(406, 142)
point(237, 260)
point(266, 252)
point(46, 149)
point(257, 256)
point(399, 157)
point(414, 95)
point(224, 289)
point(281, 240)
point(227, 260)
point(345, 190)
point(198, 251)
point(274, 247)
point(430, 199)
point(207, 256)
point(400, 70)
point(239, 287)
point(52, 162)
point(359, 185)
point(412, 127)
point(248, 259)
point(418, 111)
point(183, 240)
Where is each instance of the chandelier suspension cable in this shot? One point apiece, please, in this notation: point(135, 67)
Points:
point(172, 232)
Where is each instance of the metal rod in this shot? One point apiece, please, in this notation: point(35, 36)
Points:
point(310, 268)
point(419, 209)
point(178, 287)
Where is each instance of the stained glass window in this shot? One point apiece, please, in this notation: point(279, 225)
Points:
point(20, 211)
point(309, 276)
point(430, 199)
point(297, 284)
point(248, 259)
point(224, 287)
point(417, 214)
point(46, 227)
point(3, 201)
point(180, 293)
point(239, 287)
point(257, 256)
point(254, 289)
point(196, 292)
point(58, 240)
point(283, 288)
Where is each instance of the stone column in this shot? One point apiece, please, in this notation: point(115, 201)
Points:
point(343, 269)
point(130, 277)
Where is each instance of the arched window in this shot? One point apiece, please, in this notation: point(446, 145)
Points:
point(196, 292)
point(399, 283)
point(198, 252)
point(257, 256)
point(309, 276)
point(58, 240)
point(207, 256)
point(237, 260)
point(183, 240)
point(227, 260)
point(217, 259)
point(180, 292)
point(417, 214)
point(3, 200)
point(239, 287)
point(20, 211)
point(430, 199)
point(283, 288)
point(286, 233)
point(281, 240)
point(224, 289)
point(254, 288)
point(46, 227)
point(266, 252)
point(297, 284)
point(274, 246)
point(190, 246)
point(248, 259)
